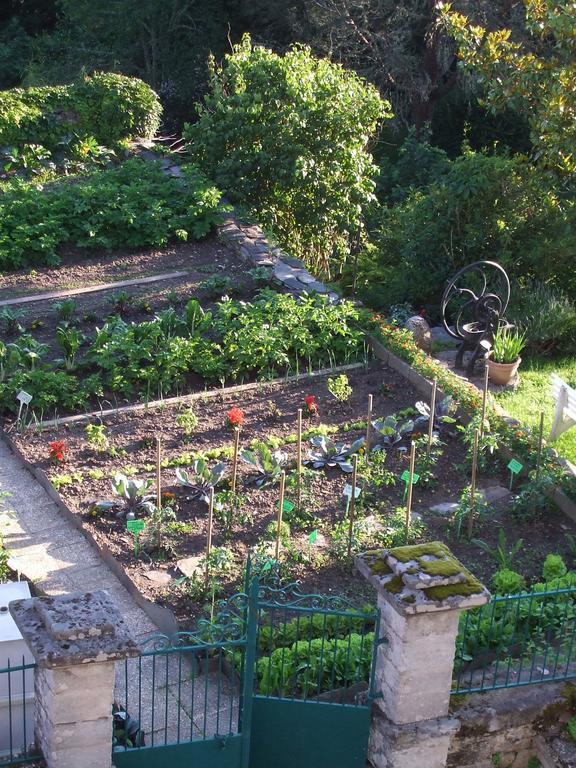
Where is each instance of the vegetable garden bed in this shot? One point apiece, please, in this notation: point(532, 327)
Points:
point(314, 547)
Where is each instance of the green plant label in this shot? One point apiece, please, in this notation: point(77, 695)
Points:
point(287, 506)
point(313, 537)
point(515, 466)
point(348, 491)
point(135, 526)
point(405, 476)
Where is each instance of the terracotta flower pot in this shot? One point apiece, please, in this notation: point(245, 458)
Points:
point(502, 373)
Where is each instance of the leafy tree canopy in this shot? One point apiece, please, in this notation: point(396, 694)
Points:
point(536, 78)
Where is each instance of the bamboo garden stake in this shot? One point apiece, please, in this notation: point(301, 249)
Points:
point(368, 425)
point(484, 401)
point(540, 440)
point(210, 525)
point(473, 484)
point(432, 414)
point(410, 485)
point(352, 506)
point(280, 507)
point(235, 459)
point(299, 461)
point(158, 472)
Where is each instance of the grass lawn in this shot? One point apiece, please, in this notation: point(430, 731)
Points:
point(533, 395)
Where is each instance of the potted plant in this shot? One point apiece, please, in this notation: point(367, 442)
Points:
point(504, 358)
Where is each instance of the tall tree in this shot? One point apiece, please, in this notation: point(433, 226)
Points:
point(536, 77)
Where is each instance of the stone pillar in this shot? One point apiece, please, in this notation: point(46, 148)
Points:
point(75, 640)
point(422, 590)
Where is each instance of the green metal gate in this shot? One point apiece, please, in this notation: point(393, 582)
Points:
point(276, 678)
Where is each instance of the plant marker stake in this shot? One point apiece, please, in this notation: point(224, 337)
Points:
point(352, 507)
point(235, 459)
point(299, 461)
point(410, 485)
point(280, 507)
point(540, 439)
point(473, 484)
point(432, 414)
point(368, 424)
point(484, 400)
point(210, 524)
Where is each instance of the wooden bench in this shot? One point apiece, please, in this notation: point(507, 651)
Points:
point(565, 413)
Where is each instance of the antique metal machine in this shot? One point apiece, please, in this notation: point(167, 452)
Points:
point(473, 307)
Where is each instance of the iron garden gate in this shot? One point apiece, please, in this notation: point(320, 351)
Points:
point(276, 678)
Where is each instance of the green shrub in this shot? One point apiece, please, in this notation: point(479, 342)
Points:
point(108, 107)
point(134, 205)
point(507, 582)
point(484, 207)
point(553, 568)
point(546, 315)
point(287, 136)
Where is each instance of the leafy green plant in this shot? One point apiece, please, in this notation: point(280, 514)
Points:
point(272, 531)
point(262, 276)
point(467, 506)
point(217, 286)
point(69, 340)
point(443, 415)
point(507, 582)
point(266, 464)
point(553, 568)
point(340, 388)
point(132, 496)
point(203, 481)
point(121, 301)
point(502, 554)
point(327, 453)
point(230, 510)
point(65, 309)
point(10, 320)
point(507, 345)
point(187, 421)
point(96, 436)
point(571, 728)
point(531, 501)
point(390, 432)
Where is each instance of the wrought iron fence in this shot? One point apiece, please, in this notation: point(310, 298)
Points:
point(17, 714)
point(517, 640)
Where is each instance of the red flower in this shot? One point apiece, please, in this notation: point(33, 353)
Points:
point(235, 417)
point(311, 405)
point(57, 450)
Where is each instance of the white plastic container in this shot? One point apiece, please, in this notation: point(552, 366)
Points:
point(17, 687)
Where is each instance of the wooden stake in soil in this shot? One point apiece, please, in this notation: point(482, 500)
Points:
point(410, 486)
point(484, 401)
point(158, 472)
point(352, 505)
point(540, 440)
point(368, 425)
point(299, 461)
point(280, 509)
point(432, 414)
point(210, 526)
point(473, 484)
point(158, 489)
point(235, 458)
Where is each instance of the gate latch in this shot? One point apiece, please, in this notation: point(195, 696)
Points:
point(222, 740)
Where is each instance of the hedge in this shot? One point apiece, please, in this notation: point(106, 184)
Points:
point(109, 107)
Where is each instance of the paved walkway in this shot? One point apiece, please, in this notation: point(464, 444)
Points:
point(50, 552)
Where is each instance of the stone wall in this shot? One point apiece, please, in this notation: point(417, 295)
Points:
point(506, 728)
